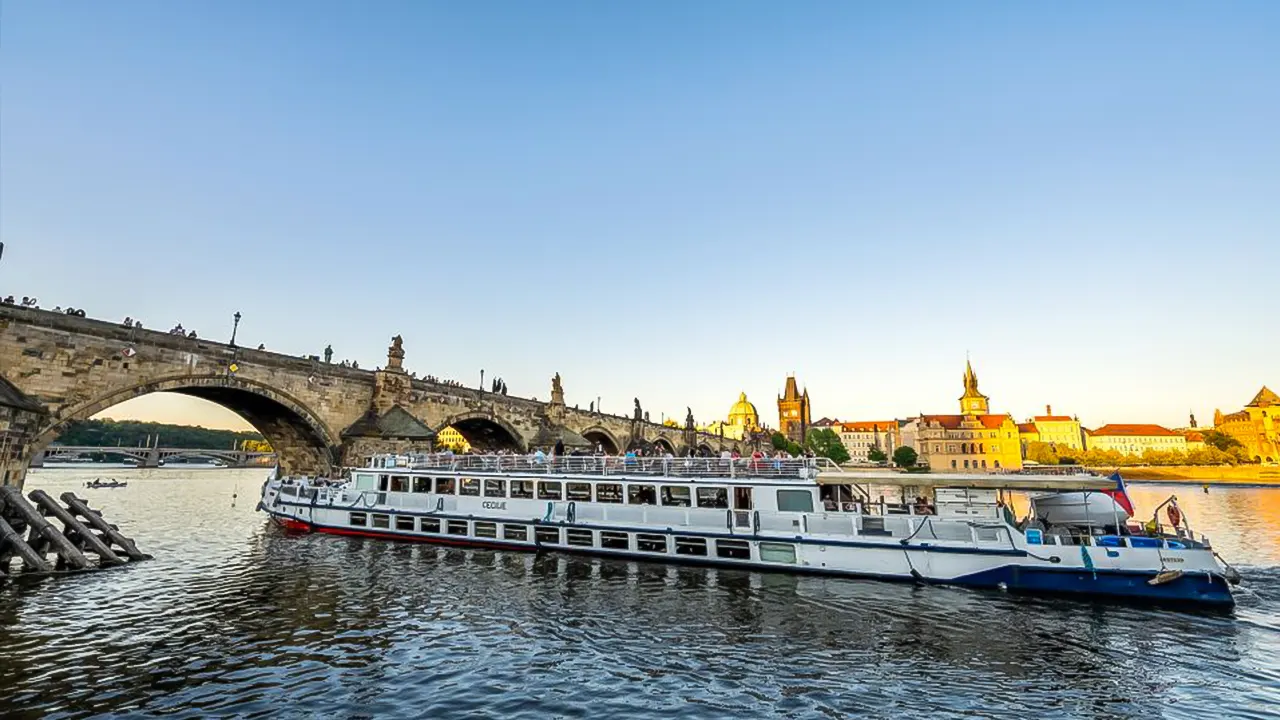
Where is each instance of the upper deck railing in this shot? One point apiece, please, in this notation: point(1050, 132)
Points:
point(780, 469)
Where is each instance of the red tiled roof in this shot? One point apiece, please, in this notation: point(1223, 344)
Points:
point(1134, 429)
point(1053, 418)
point(1028, 428)
point(1194, 436)
point(952, 422)
point(869, 426)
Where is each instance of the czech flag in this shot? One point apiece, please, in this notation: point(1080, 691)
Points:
point(1120, 494)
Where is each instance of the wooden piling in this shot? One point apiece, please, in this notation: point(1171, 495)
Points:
point(82, 509)
point(11, 541)
point(42, 536)
point(74, 529)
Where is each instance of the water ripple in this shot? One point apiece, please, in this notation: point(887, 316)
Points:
point(236, 618)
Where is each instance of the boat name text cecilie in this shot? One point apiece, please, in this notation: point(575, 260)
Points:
point(491, 505)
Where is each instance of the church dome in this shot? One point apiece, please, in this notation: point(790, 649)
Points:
point(744, 413)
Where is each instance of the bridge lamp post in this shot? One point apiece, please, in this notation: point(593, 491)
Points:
point(235, 327)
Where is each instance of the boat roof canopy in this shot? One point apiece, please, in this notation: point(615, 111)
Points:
point(963, 480)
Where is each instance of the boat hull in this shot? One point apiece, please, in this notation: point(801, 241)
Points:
point(1079, 509)
point(1008, 570)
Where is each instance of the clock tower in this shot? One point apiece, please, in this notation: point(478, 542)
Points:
point(972, 402)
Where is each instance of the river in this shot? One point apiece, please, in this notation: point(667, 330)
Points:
point(235, 617)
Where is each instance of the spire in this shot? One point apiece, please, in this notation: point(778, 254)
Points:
point(970, 378)
point(972, 402)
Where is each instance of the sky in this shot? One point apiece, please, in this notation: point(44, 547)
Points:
point(674, 201)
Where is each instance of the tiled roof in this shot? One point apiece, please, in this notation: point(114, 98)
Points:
point(1194, 436)
point(1028, 428)
point(952, 422)
point(396, 422)
point(869, 426)
point(1139, 430)
point(11, 396)
point(1053, 418)
point(1264, 398)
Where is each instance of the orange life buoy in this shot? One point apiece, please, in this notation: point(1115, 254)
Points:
point(1175, 515)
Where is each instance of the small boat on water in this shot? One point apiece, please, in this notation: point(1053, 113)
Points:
point(112, 483)
point(802, 515)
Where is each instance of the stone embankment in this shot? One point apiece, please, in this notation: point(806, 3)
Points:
point(1198, 474)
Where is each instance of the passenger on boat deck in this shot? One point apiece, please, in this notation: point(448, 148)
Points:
point(922, 506)
point(828, 504)
point(539, 457)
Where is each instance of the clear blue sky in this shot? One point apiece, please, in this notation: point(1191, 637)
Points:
point(672, 200)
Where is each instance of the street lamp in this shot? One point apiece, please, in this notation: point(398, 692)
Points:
point(481, 379)
point(235, 327)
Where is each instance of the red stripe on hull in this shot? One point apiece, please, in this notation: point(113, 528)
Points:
point(294, 525)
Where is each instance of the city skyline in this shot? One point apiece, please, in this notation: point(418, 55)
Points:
point(1078, 198)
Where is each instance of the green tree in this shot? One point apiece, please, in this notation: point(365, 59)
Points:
point(825, 443)
point(905, 457)
point(780, 442)
point(131, 433)
point(1042, 453)
point(1220, 440)
point(876, 455)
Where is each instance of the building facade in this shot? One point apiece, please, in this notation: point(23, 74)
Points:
point(973, 441)
point(1257, 426)
point(1136, 439)
point(1061, 431)
point(450, 439)
point(793, 411)
point(743, 421)
point(861, 437)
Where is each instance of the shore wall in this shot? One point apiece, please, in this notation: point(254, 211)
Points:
point(1196, 474)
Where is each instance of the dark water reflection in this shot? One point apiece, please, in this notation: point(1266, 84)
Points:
point(235, 618)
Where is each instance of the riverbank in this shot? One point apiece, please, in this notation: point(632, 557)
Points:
point(1201, 474)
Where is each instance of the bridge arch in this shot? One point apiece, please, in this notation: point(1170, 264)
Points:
point(605, 439)
point(303, 442)
point(662, 444)
point(486, 431)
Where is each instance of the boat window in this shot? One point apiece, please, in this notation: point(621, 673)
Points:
point(444, 486)
point(495, 488)
point(736, 549)
point(608, 493)
point(522, 488)
point(422, 485)
point(713, 497)
point(548, 535)
point(548, 490)
point(651, 543)
point(430, 525)
point(580, 492)
point(399, 483)
point(381, 521)
point(614, 540)
point(795, 501)
point(404, 522)
point(366, 481)
point(777, 552)
point(641, 495)
point(675, 495)
point(486, 529)
point(515, 532)
point(359, 519)
point(691, 546)
point(469, 486)
point(578, 538)
point(456, 527)
point(382, 482)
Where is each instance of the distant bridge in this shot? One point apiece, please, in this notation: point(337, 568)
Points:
point(153, 456)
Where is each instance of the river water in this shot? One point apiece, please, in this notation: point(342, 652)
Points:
point(235, 617)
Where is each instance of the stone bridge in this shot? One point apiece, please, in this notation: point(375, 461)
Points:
point(317, 416)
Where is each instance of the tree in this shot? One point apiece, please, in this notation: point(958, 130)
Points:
point(905, 457)
point(1220, 440)
point(825, 443)
point(876, 455)
point(780, 442)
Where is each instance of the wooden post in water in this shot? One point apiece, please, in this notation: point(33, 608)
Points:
point(11, 543)
point(82, 509)
point(74, 529)
point(42, 535)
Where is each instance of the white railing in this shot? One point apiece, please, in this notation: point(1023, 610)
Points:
point(797, 469)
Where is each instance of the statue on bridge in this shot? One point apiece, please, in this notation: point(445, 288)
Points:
point(557, 391)
point(395, 354)
point(688, 418)
point(328, 353)
point(637, 413)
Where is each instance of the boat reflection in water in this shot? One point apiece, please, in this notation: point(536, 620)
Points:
point(768, 514)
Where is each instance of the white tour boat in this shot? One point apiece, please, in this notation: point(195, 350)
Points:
point(770, 514)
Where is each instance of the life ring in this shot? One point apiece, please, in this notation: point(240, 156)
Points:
point(1175, 515)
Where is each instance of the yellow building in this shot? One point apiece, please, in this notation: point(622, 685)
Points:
point(973, 441)
point(255, 446)
point(1059, 430)
point(1195, 440)
point(1136, 439)
point(793, 411)
point(1257, 426)
point(451, 439)
point(743, 420)
point(861, 437)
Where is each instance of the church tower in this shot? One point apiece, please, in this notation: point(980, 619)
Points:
point(972, 402)
point(793, 411)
